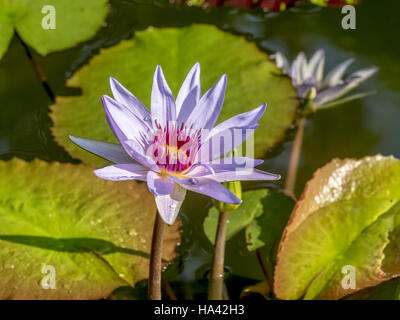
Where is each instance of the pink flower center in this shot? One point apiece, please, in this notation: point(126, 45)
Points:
point(175, 148)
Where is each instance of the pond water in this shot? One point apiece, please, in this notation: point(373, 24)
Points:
point(365, 127)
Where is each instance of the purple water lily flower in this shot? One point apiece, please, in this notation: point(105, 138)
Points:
point(176, 147)
point(308, 78)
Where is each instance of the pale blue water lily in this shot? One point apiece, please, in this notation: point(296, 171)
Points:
point(175, 146)
point(308, 79)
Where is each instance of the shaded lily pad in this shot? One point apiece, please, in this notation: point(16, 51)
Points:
point(348, 215)
point(239, 219)
point(75, 21)
point(96, 234)
point(263, 213)
point(261, 288)
point(266, 229)
point(389, 290)
point(252, 80)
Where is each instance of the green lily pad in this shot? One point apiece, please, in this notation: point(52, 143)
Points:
point(96, 234)
point(6, 33)
point(348, 216)
point(266, 229)
point(252, 80)
point(239, 218)
point(263, 213)
point(75, 21)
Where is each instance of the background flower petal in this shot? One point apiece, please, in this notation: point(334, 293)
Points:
point(335, 76)
point(350, 83)
point(281, 62)
point(315, 68)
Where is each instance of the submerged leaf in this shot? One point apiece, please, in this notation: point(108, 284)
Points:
point(252, 80)
point(96, 234)
point(75, 21)
point(348, 219)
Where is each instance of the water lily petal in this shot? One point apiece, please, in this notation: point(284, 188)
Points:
point(158, 185)
point(208, 187)
point(169, 205)
point(297, 69)
point(121, 137)
point(126, 98)
point(188, 106)
point(140, 142)
point(350, 83)
point(363, 74)
point(129, 124)
point(234, 163)
point(335, 76)
point(315, 68)
point(223, 142)
point(122, 172)
point(113, 152)
point(243, 120)
point(243, 175)
point(162, 101)
point(209, 107)
point(304, 89)
point(281, 62)
point(346, 99)
point(191, 85)
point(135, 150)
point(222, 165)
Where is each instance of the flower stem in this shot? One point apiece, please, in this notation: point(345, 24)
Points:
point(294, 158)
point(168, 290)
point(38, 70)
point(155, 259)
point(217, 268)
point(263, 268)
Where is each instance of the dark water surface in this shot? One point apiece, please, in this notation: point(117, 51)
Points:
point(365, 127)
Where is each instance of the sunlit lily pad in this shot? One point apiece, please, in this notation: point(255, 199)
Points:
point(252, 80)
point(75, 21)
point(95, 233)
point(348, 216)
